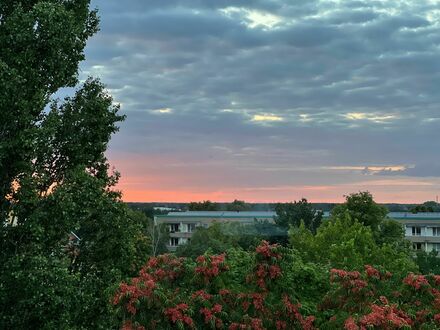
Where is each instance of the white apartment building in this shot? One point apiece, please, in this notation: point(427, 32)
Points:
point(422, 229)
point(182, 224)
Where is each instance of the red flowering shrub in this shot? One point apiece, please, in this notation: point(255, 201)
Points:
point(245, 290)
point(211, 266)
point(416, 281)
point(173, 292)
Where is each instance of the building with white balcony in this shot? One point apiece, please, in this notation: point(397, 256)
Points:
point(422, 229)
point(181, 225)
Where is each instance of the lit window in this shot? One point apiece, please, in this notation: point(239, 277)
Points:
point(435, 231)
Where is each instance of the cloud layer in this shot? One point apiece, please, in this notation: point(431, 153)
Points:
point(267, 100)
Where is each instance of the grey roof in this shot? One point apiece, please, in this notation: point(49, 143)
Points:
point(222, 214)
point(261, 214)
point(415, 216)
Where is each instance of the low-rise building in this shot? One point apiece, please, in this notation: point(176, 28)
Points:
point(181, 225)
point(422, 229)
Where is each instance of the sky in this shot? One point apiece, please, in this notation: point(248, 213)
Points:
point(272, 100)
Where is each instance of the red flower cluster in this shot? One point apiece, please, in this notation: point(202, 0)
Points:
point(268, 250)
point(142, 286)
point(337, 274)
point(436, 279)
point(211, 266)
point(128, 325)
point(165, 267)
point(202, 295)
point(266, 269)
point(384, 316)
point(177, 314)
point(295, 316)
point(252, 299)
point(372, 272)
point(416, 281)
point(252, 324)
point(349, 280)
point(350, 324)
point(210, 314)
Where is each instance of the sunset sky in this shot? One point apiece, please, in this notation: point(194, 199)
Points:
point(272, 100)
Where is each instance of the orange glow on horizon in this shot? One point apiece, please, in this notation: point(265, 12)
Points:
point(160, 179)
point(319, 194)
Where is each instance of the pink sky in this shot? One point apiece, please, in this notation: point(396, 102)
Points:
point(152, 180)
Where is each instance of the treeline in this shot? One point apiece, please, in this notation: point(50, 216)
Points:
point(207, 205)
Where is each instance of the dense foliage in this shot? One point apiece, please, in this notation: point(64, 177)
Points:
point(203, 206)
point(66, 238)
point(292, 214)
point(271, 288)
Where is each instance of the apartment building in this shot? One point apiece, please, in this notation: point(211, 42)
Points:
point(182, 224)
point(422, 229)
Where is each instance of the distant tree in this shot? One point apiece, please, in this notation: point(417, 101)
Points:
point(291, 214)
point(270, 232)
point(203, 206)
point(238, 206)
point(362, 207)
point(426, 207)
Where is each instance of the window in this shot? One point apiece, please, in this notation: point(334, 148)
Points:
point(435, 231)
point(174, 241)
point(417, 246)
point(191, 227)
point(174, 227)
point(436, 246)
point(416, 231)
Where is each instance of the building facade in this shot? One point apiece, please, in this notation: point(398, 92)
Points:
point(421, 229)
point(181, 225)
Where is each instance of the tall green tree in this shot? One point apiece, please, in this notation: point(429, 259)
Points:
point(291, 214)
point(238, 206)
point(203, 206)
point(71, 238)
point(342, 242)
point(41, 45)
point(362, 207)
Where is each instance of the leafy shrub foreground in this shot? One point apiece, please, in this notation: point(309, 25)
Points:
point(271, 288)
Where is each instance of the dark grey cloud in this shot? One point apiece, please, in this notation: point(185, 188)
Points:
point(338, 83)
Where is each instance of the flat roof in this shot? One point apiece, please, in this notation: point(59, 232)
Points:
point(271, 214)
point(220, 214)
